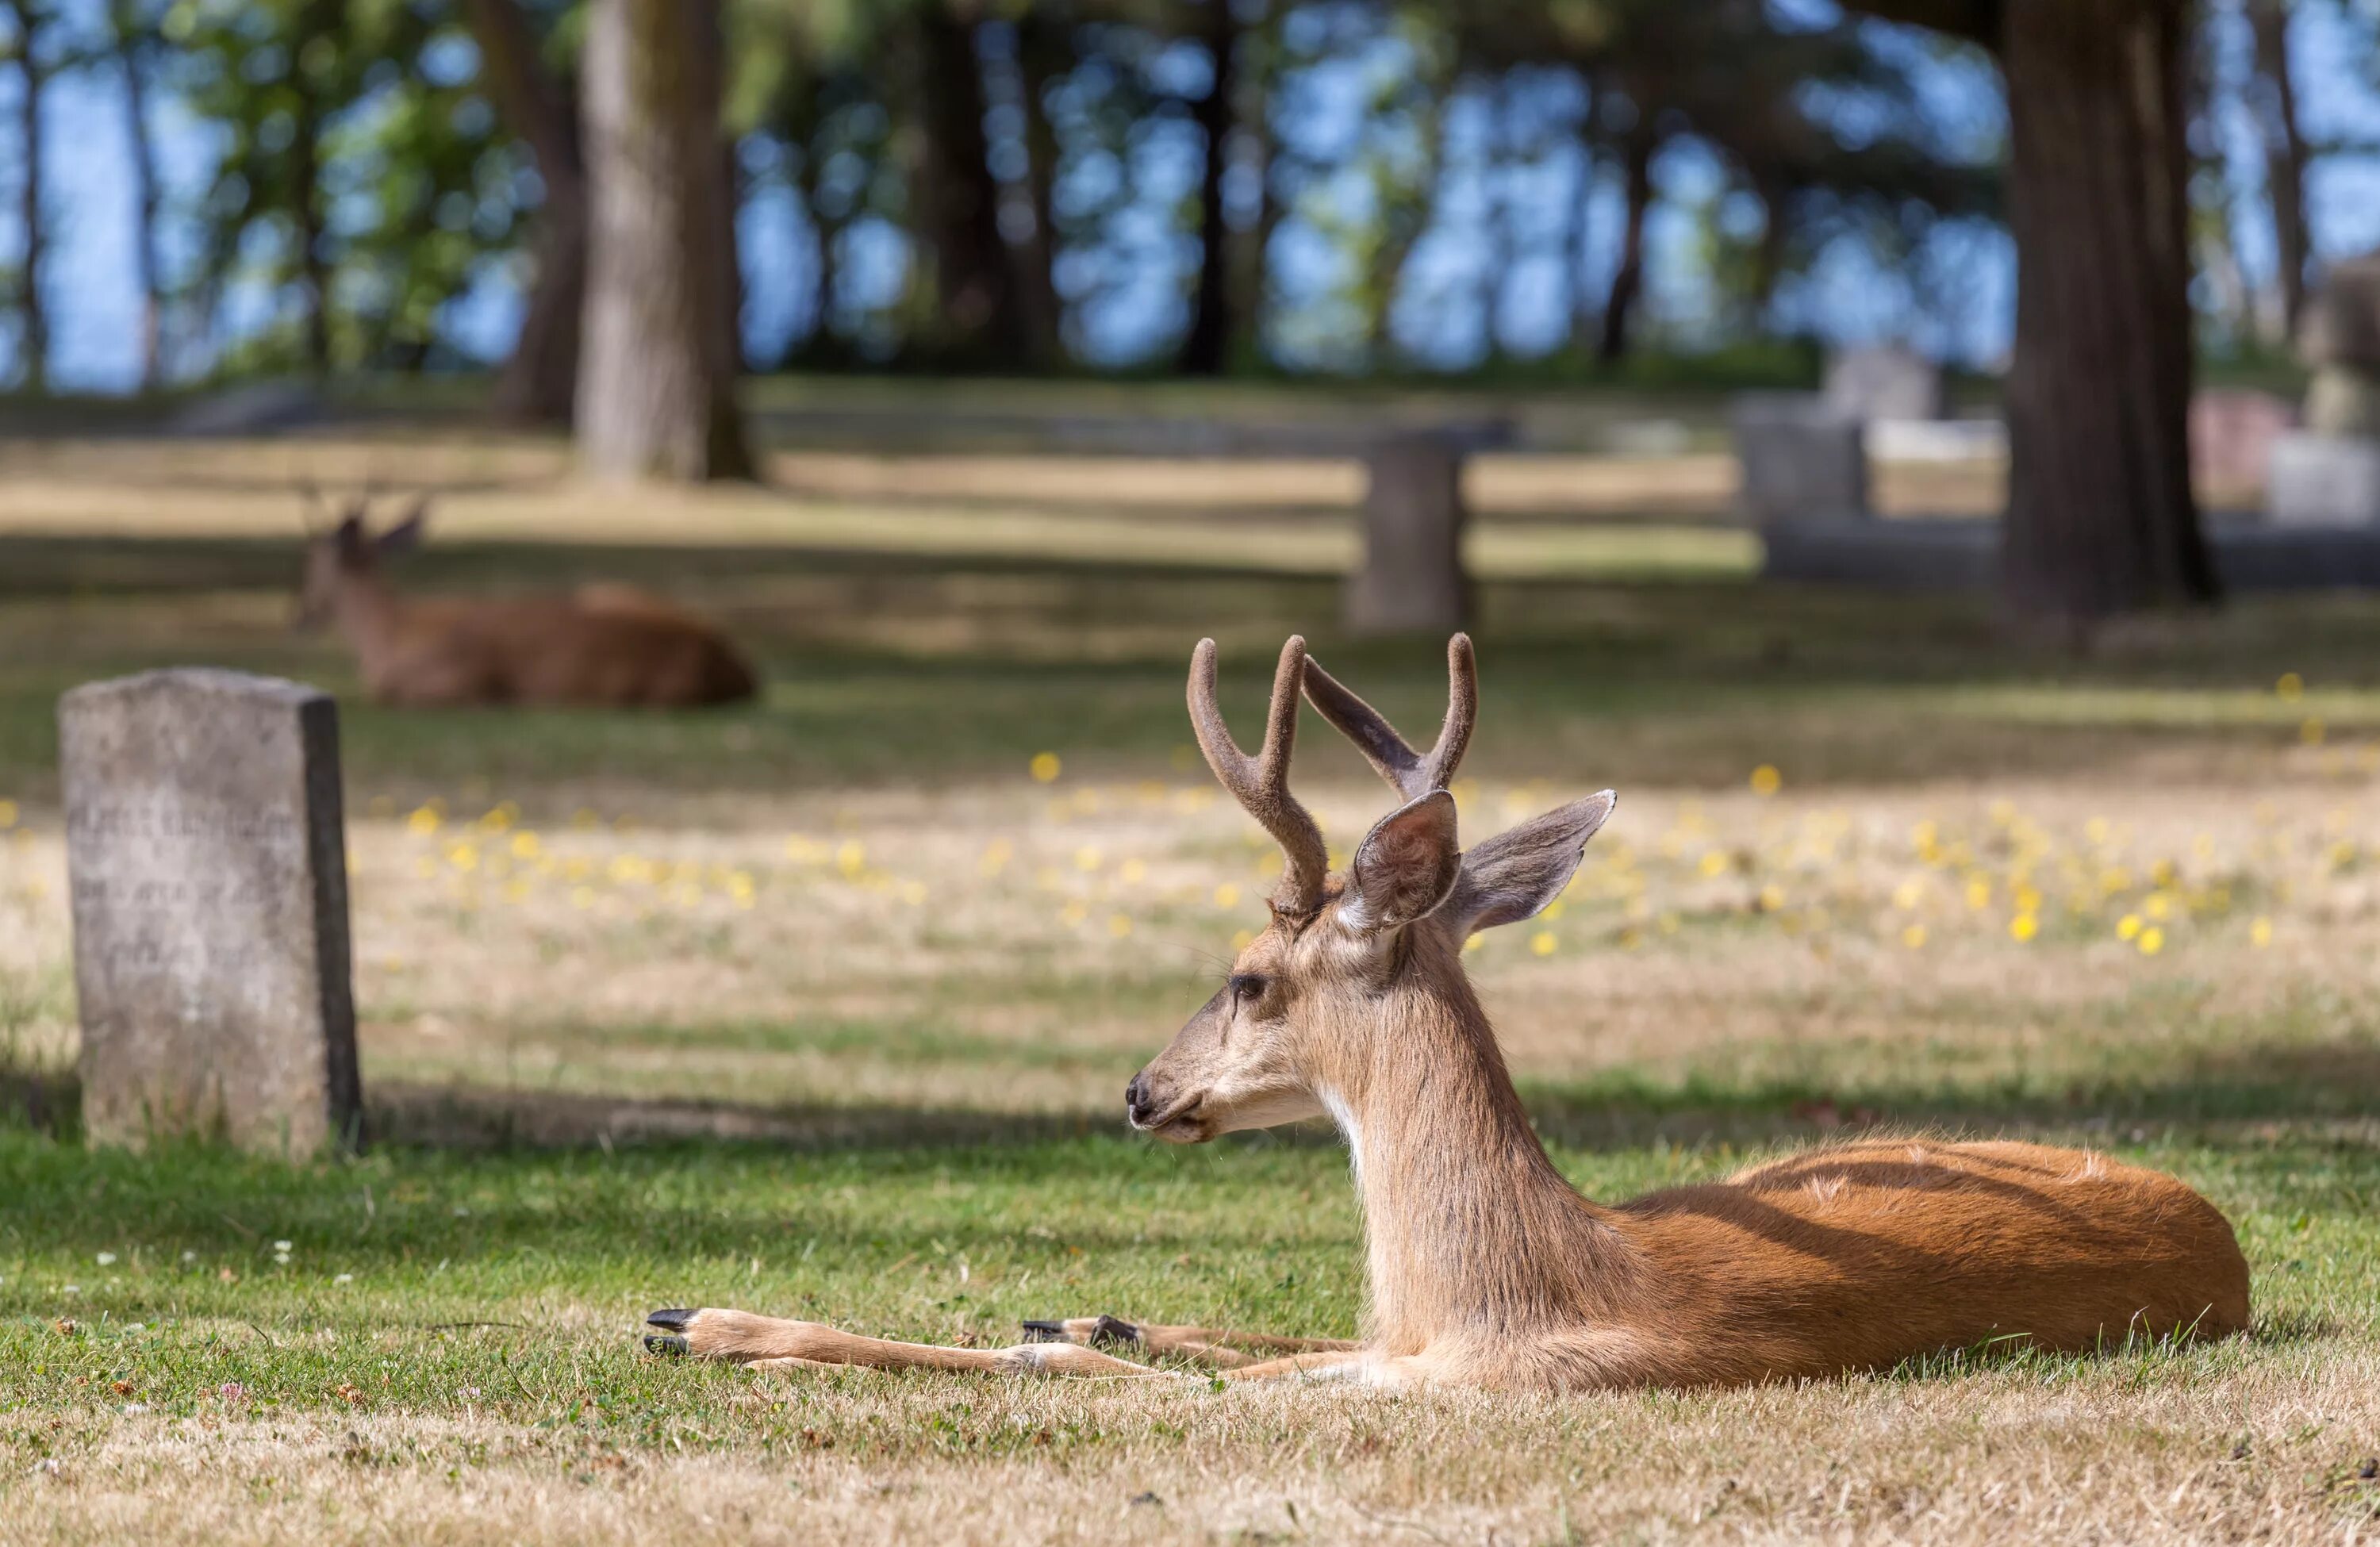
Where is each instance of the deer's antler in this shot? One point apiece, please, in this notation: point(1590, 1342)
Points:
point(1408, 772)
point(1261, 783)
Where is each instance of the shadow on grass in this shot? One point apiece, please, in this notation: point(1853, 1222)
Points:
point(468, 1118)
point(2254, 1085)
point(2257, 1083)
point(930, 667)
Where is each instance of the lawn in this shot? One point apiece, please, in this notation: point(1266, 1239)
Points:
point(824, 1008)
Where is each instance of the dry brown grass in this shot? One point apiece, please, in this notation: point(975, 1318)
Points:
point(2224, 1453)
point(1014, 947)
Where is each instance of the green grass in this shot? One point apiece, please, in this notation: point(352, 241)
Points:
point(432, 1280)
point(449, 1353)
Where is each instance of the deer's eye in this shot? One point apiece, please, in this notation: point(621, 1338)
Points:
point(1247, 988)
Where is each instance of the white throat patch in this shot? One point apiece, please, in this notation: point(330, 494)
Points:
point(1344, 1115)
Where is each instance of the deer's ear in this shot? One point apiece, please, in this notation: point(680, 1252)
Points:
point(1514, 874)
point(1407, 866)
point(405, 536)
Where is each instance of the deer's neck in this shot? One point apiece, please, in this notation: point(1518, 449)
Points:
point(1469, 1228)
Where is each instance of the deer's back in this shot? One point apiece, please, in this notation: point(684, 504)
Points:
point(1860, 1255)
point(618, 649)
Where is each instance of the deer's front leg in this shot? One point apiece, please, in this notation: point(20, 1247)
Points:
point(766, 1341)
point(1217, 1348)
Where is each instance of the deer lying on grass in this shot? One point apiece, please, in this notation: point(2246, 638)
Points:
point(1487, 1269)
point(604, 646)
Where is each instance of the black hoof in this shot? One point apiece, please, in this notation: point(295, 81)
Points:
point(672, 1347)
point(1045, 1332)
point(670, 1321)
point(1112, 1331)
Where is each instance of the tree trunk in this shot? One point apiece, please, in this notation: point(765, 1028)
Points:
point(728, 255)
point(538, 380)
point(1575, 233)
point(1252, 260)
point(319, 18)
point(130, 39)
point(1496, 219)
point(657, 379)
point(1041, 57)
point(970, 319)
point(1400, 214)
point(1769, 258)
point(35, 342)
point(1206, 349)
point(2100, 516)
point(821, 343)
point(1628, 279)
point(2275, 107)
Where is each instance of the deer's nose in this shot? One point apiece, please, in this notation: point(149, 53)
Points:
point(1136, 1104)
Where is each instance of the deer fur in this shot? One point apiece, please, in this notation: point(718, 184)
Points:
point(605, 646)
point(1486, 1267)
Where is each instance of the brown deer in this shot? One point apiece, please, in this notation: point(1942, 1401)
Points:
point(1486, 1267)
point(604, 646)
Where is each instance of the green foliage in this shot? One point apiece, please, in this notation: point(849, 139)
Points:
point(362, 181)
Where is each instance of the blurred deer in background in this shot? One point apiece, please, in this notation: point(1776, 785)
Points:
point(603, 646)
point(1486, 1268)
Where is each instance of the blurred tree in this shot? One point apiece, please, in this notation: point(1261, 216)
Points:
point(538, 380)
point(1044, 52)
point(964, 311)
point(657, 369)
point(1401, 153)
point(1207, 343)
point(2101, 519)
point(796, 89)
point(134, 44)
point(370, 107)
point(1731, 75)
point(2272, 98)
point(27, 46)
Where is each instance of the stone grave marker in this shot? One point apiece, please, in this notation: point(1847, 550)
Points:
point(2328, 473)
point(208, 864)
point(2232, 433)
point(1889, 381)
point(1411, 580)
point(2323, 481)
point(1800, 457)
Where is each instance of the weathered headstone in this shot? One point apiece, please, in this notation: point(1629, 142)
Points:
point(1798, 456)
point(2328, 474)
point(1411, 581)
point(1889, 381)
point(208, 864)
point(2323, 481)
point(2232, 433)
